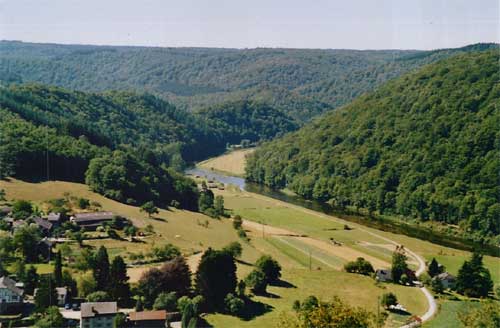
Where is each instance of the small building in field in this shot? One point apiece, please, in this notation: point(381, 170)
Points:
point(11, 297)
point(150, 319)
point(383, 275)
point(90, 221)
point(447, 280)
point(98, 314)
point(54, 218)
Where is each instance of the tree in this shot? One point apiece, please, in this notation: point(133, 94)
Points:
point(166, 301)
point(219, 205)
point(58, 270)
point(216, 277)
point(118, 287)
point(86, 284)
point(399, 266)
point(101, 269)
point(22, 209)
point(26, 239)
point(434, 268)
point(388, 299)
point(173, 276)
point(46, 294)
point(206, 200)
point(241, 288)
point(149, 208)
point(327, 314)
point(237, 222)
point(99, 296)
point(473, 279)
point(257, 281)
point(188, 316)
point(270, 267)
point(360, 266)
point(139, 307)
point(2, 195)
point(486, 315)
point(234, 248)
point(70, 283)
point(51, 318)
point(30, 280)
point(130, 231)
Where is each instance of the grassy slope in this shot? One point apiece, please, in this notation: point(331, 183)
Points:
point(232, 163)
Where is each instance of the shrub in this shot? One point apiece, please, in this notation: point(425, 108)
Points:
point(237, 222)
point(388, 299)
point(234, 249)
point(166, 301)
point(234, 305)
point(360, 266)
point(257, 281)
point(98, 296)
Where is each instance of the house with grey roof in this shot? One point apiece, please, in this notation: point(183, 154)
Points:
point(90, 221)
point(447, 279)
point(11, 296)
point(98, 314)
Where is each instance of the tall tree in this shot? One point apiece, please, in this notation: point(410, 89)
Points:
point(216, 277)
point(473, 278)
point(434, 268)
point(149, 208)
point(119, 288)
point(101, 269)
point(399, 265)
point(58, 270)
point(46, 294)
point(31, 280)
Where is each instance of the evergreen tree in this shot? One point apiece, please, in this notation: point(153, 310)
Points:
point(101, 269)
point(31, 280)
point(119, 288)
point(46, 294)
point(473, 279)
point(58, 270)
point(219, 205)
point(433, 269)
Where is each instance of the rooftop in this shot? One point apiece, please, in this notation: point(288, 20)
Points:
point(84, 217)
point(6, 282)
point(42, 223)
point(148, 315)
point(90, 310)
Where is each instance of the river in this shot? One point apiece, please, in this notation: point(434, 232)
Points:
point(395, 226)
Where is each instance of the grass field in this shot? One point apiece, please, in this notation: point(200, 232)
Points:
point(232, 163)
point(183, 228)
point(447, 316)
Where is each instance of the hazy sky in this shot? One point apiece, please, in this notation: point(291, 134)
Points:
point(358, 24)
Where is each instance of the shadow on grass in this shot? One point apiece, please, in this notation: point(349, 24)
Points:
point(254, 309)
point(243, 262)
point(283, 284)
point(159, 219)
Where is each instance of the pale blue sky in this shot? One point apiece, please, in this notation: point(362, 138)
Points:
point(356, 24)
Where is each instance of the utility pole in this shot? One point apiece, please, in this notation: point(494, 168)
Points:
point(378, 311)
point(310, 260)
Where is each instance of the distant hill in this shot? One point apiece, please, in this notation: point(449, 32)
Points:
point(300, 82)
point(425, 145)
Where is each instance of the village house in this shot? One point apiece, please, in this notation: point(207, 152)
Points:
point(44, 225)
point(62, 296)
point(11, 297)
point(4, 211)
point(54, 218)
point(98, 315)
point(447, 280)
point(150, 319)
point(90, 221)
point(383, 275)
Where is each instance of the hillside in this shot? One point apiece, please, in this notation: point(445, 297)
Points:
point(127, 146)
point(422, 146)
point(302, 83)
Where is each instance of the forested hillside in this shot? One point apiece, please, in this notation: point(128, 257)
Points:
point(300, 82)
point(426, 145)
point(127, 146)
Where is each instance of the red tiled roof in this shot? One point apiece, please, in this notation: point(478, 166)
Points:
point(148, 315)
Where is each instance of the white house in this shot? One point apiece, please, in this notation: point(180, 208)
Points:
point(11, 297)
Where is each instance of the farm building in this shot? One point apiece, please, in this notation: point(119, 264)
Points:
point(90, 221)
point(11, 296)
point(98, 314)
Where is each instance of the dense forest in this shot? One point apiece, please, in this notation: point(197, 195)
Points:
point(126, 146)
point(426, 145)
point(300, 82)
